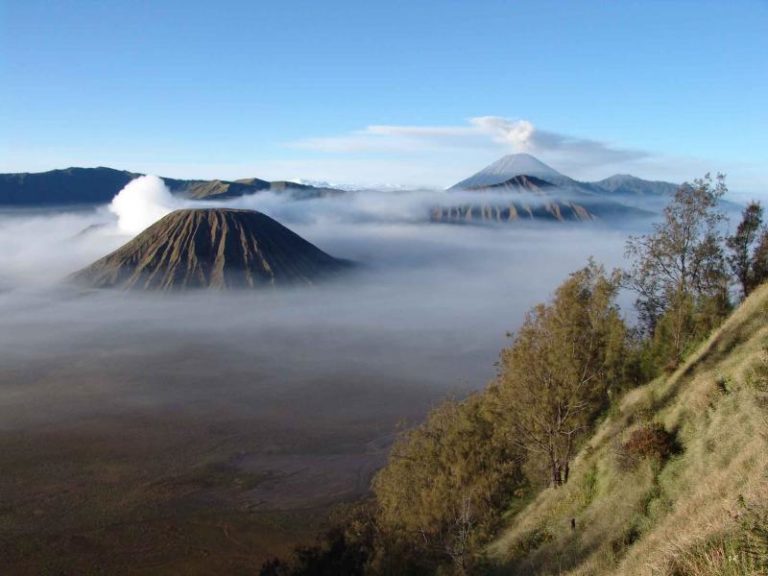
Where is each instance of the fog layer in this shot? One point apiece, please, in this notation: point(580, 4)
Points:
point(139, 424)
point(429, 305)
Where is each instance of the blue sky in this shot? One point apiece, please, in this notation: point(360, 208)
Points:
point(410, 92)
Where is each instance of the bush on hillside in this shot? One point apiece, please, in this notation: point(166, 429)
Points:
point(447, 482)
point(647, 442)
point(557, 376)
point(679, 272)
point(345, 548)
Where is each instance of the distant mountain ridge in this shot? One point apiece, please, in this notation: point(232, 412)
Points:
point(523, 182)
point(530, 198)
point(510, 166)
point(71, 186)
point(538, 191)
point(211, 248)
point(518, 187)
point(627, 184)
point(511, 212)
point(515, 165)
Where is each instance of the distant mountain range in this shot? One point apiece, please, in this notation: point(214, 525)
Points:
point(529, 189)
point(73, 186)
point(211, 248)
point(628, 185)
point(515, 187)
point(539, 201)
point(509, 167)
point(514, 165)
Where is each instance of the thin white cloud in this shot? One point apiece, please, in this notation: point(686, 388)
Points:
point(482, 132)
point(396, 139)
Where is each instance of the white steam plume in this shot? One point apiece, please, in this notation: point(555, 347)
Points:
point(142, 202)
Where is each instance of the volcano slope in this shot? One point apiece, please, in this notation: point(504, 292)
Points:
point(211, 248)
point(635, 508)
point(520, 187)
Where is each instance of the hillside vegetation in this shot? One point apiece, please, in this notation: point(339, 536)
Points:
point(673, 482)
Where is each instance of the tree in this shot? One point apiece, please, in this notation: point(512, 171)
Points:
point(444, 488)
point(743, 248)
point(760, 261)
point(556, 376)
point(680, 266)
point(344, 548)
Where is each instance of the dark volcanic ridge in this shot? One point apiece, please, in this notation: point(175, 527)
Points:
point(519, 183)
point(212, 248)
point(74, 186)
point(554, 210)
point(530, 198)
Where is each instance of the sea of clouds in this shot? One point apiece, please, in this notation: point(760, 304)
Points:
point(430, 304)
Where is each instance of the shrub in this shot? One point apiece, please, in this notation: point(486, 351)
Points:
point(440, 496)
point(650, 442)
point(647, 442)
point(344, 548)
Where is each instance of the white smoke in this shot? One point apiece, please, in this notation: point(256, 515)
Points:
point(141, 203)
point(518, 134)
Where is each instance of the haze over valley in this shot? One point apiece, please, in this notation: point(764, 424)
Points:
point(383, 289)
point(176, 370)
point(279, 400)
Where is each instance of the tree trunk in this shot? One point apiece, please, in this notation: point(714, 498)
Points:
point(557, 473)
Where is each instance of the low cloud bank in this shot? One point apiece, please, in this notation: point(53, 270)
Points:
point(147, 199)
point(428, 308)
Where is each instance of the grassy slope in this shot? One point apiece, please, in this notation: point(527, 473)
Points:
point(684, 516)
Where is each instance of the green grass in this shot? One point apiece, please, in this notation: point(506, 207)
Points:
point(684, 515)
